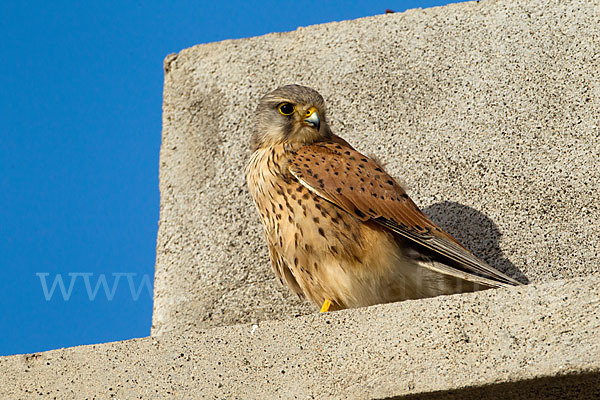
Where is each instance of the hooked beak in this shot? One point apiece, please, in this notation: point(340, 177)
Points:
point(312, 118)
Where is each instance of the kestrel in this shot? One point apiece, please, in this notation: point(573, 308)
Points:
point(340, 230)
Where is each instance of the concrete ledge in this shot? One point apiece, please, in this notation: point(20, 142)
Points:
point(537, 341)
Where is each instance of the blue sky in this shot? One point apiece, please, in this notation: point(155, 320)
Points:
point(80, 110)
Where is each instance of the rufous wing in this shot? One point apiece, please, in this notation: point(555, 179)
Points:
point(338, 173)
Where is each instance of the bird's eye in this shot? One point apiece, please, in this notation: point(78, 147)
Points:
point(286, 109)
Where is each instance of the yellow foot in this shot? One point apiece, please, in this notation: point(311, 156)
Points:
point(326, 305)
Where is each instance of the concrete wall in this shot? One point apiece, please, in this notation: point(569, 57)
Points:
point(489, 111)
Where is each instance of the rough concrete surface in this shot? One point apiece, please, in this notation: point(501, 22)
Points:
point(490, 111)
point(531, 342)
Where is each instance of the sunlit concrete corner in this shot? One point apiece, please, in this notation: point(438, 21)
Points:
point(489, 111)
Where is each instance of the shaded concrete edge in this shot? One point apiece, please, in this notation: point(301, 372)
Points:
point(585, 384)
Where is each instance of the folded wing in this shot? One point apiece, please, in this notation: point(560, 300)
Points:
point(343, 176)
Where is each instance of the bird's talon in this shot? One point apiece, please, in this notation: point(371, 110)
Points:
point(326, 305)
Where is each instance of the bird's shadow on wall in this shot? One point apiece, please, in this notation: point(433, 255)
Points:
point(476, 232)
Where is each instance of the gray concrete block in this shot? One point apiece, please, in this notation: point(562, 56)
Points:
point(488, 110)
point(531, 342)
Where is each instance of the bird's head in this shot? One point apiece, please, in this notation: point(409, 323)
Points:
point(290, 114)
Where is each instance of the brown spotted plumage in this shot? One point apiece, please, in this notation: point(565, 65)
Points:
point(338, 227)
